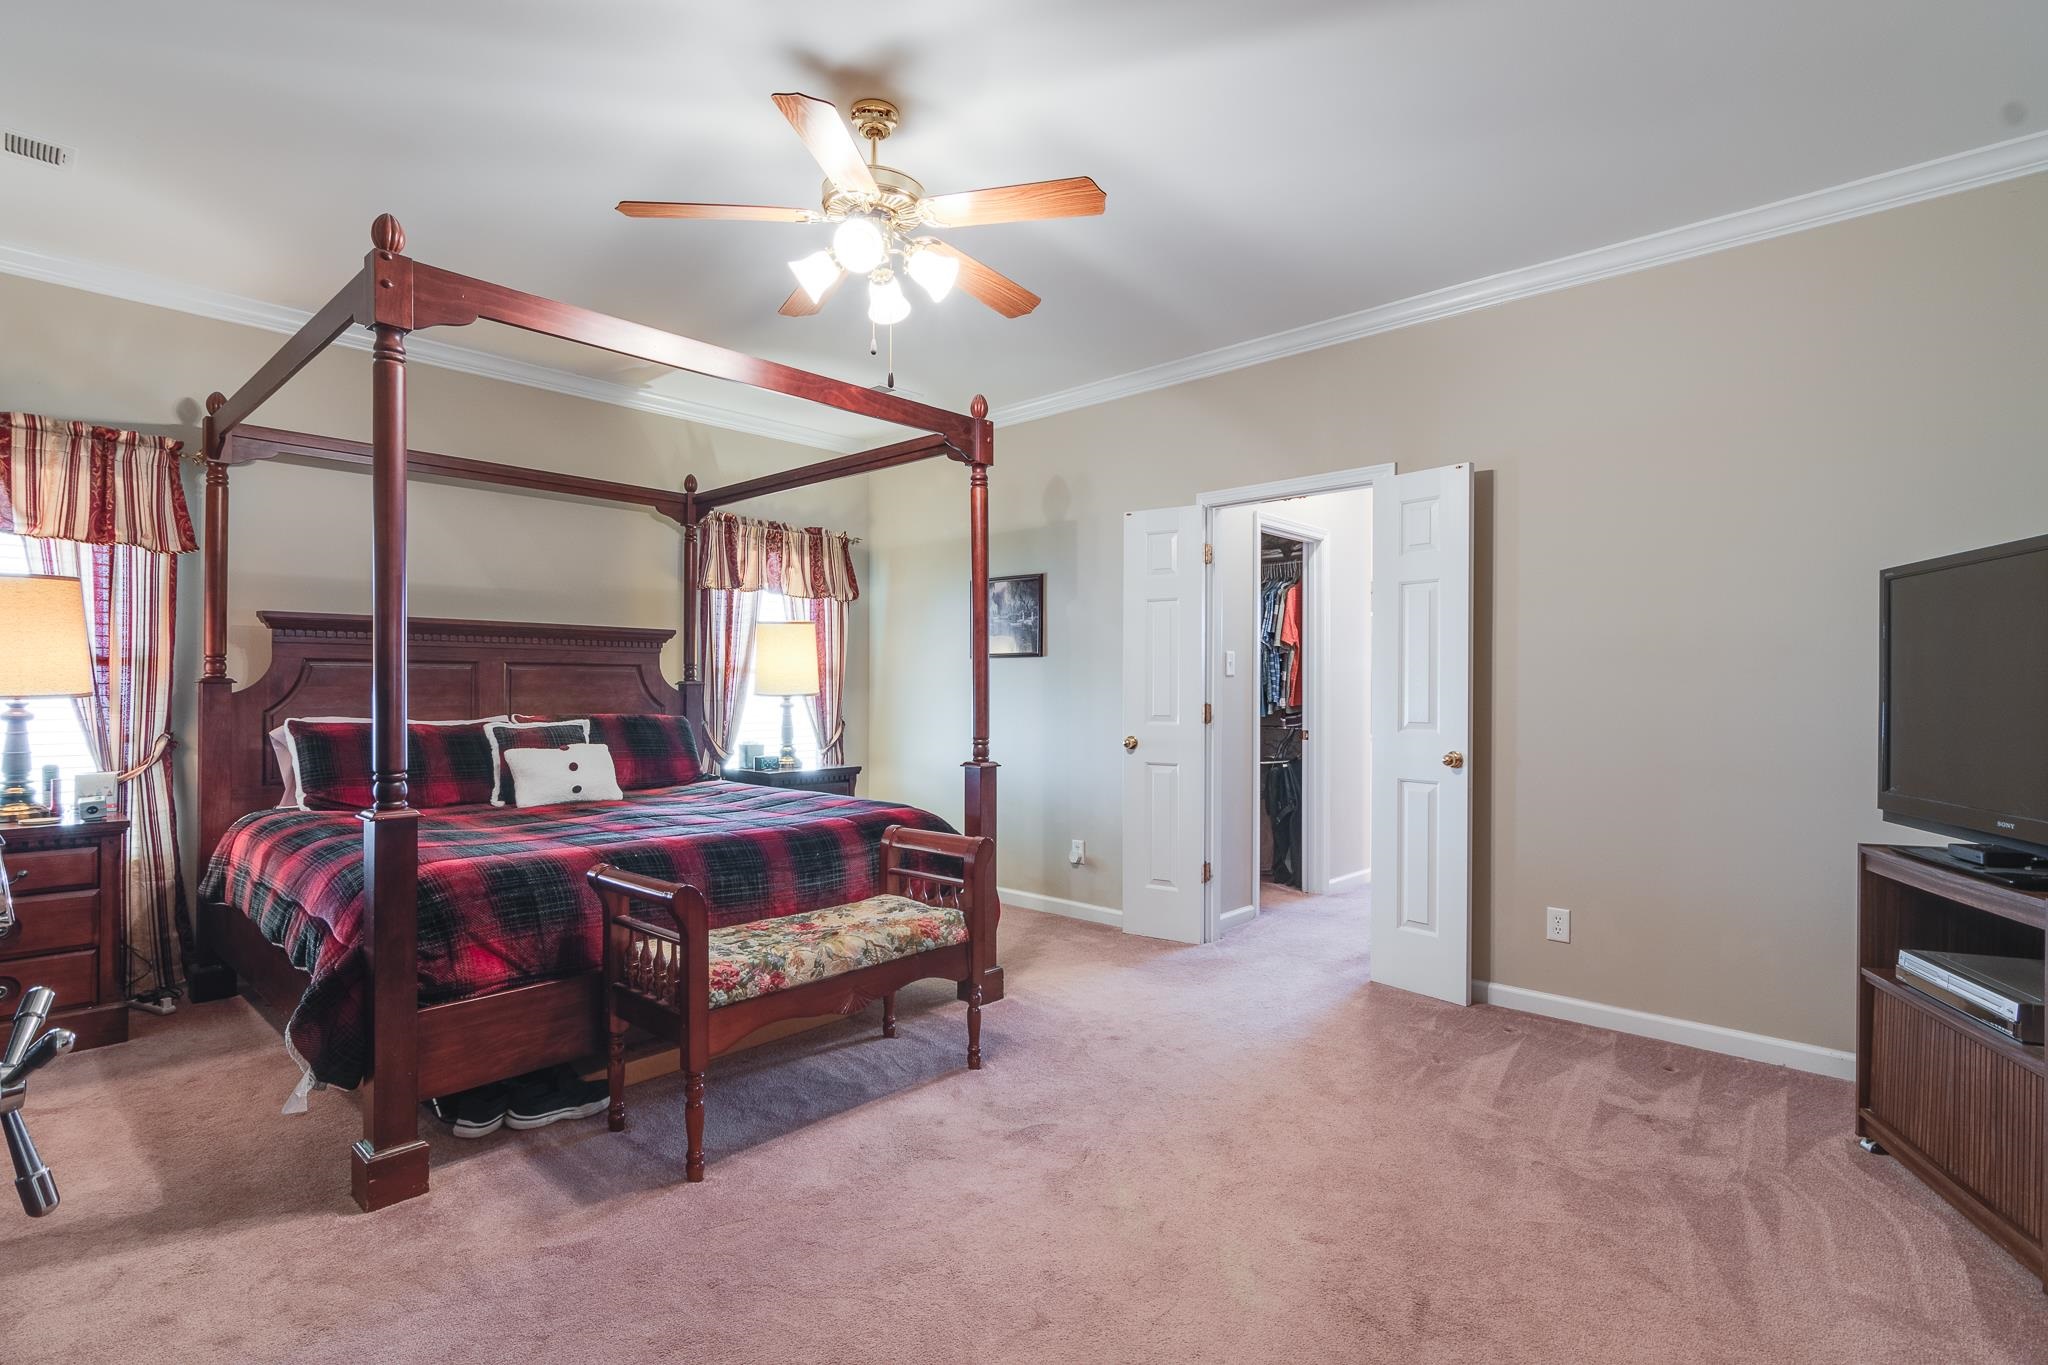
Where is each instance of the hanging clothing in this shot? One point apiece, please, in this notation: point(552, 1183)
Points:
point(1280, 637)
point(1290, 636)
point(1280, 791)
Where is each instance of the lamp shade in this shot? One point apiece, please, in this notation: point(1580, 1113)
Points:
point(786, 659)
point(43, 650)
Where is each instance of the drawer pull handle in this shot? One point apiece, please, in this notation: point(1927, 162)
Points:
point(18, 878)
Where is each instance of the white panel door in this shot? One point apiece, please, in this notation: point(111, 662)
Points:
point(1422, 760)
point(1162, 713)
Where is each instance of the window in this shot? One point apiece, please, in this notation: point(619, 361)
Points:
point(761, 717)
point(54, 733)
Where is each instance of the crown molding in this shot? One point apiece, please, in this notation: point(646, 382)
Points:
point(139, 287)
point(1988, 165)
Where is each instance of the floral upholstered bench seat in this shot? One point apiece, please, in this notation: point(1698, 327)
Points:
point(667, 971)
point(749, 960)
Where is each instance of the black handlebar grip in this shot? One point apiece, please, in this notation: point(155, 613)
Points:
point(32, 1179)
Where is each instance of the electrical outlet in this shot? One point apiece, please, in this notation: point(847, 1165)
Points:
point(1078, 854)
point(1557, 925)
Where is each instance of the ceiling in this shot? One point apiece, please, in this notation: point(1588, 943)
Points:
point(1268, 166)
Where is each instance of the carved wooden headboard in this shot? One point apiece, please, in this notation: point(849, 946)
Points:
point(320, 666)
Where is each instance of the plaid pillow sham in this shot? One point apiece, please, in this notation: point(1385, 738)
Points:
point(650, 749)
point(446, 765)
point(541, 735)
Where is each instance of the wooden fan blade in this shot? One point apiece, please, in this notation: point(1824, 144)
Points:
point(998, 291)
point(830, 141)
point(738, 213)
point(1077, 197)
point(799, 304)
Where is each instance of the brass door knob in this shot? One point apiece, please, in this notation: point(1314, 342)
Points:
point(1454, 759)
point(1130, 743)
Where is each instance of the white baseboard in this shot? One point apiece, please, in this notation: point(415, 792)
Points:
point(1755, 1047)
point(1351, 879)
point(1056, 905)
point(1230, 919)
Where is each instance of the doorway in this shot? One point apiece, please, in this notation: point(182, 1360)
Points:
point(1288, 670)
point(1183, 665)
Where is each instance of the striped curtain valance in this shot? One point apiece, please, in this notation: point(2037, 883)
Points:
point(91, 484)
point(741, 554)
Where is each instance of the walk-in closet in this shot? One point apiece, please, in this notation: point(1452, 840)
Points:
point(1282, 656)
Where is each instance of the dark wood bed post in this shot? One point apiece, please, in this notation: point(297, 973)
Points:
point(206, 977)
point(693, 614)
point(980, 772)
point(390, 1163)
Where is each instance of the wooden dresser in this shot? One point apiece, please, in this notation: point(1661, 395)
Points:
point(70, 915)
point(1958, 1103)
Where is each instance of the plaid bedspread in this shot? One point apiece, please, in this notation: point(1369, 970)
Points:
point(503, 901)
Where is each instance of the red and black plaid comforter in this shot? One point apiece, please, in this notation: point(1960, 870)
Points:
point(502, 898)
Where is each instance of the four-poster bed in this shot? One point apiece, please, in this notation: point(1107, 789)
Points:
point(428, 669)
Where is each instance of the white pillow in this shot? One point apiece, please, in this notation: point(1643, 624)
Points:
point(560, 777)
point(498, 755)
point(287, 756)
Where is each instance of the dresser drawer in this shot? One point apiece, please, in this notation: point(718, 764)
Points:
point(53, 920)
point(70, 975)
point(51, 869)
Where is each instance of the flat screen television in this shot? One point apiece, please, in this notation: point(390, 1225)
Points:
point(1963, 696)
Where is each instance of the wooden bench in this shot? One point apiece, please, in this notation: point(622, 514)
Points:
point(708, 989)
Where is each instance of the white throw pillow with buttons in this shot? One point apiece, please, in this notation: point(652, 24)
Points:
point(559, 777)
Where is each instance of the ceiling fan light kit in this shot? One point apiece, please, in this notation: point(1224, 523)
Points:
point(879, 209)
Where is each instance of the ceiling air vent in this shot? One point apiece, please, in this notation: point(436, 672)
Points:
point(49, 153)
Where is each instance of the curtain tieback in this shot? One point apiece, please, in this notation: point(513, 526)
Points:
point(157, 752)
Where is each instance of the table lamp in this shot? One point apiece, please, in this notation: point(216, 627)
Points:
point(43, 653)
point(786, 666)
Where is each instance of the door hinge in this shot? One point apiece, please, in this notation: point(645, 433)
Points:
point(1208, 714)
point(1208, 554)
point(1206, 874)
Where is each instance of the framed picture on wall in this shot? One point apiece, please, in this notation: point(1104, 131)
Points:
point(1016, 616)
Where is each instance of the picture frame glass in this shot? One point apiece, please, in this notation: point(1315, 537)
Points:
point(1016, 616)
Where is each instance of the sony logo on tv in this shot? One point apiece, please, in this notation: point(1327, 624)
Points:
point(2007, 824)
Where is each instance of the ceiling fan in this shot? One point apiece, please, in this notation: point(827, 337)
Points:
point(881, 214)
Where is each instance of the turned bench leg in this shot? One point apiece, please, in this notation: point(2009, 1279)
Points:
point(974, 1027)
point(615, 1076)
point(693, 1123)
point(888, 1014)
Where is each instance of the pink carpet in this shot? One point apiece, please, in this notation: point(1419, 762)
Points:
point(1234, 1153)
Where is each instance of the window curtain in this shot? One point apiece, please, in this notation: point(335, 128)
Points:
point(826, 708)
point(108, 506)
point(741, 554)
point(729, 649)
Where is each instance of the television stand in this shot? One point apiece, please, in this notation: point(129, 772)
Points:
point(1956, 1102)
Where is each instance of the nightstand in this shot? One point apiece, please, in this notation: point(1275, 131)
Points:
point(70, 918)
point(839, 781)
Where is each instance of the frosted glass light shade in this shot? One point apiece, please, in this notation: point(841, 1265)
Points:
point(43, 648)
point(886, 304)
point(934, 272)
point(816, 273)
point(858, 245)
point(786, 659)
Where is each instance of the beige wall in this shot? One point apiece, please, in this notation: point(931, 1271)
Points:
point(1692, 476)
point(299, 533)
